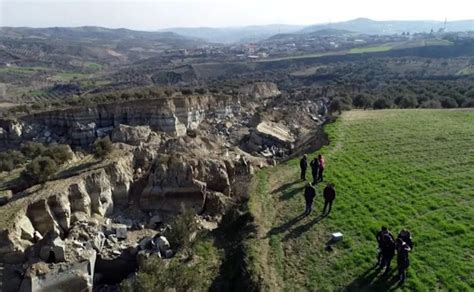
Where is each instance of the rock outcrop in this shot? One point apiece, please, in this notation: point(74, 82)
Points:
point(82, 125)
point(259, 90)
point(177, 182)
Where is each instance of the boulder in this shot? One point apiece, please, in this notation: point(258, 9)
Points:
point(216, 203)
point(27, 229)
point(131, 134)
point(268, 134)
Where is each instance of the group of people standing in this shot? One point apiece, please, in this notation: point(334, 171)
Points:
point(317, 169)
point(388, 246)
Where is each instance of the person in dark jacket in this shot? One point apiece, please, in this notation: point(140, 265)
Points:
point(403, 261)
point(303, 166)
point(384, 230)
point(309, 194)
point(315, 170)
point(329, 194)
point(388, 252)
point(405, 235)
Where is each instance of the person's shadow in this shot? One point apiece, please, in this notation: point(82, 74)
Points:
point(302, 228)
point(283, 227)
point(369, 281)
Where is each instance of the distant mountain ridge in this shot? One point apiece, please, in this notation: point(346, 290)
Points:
point(369, 26)
point(235, 34)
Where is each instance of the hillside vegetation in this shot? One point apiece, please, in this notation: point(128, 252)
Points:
point(400, 168)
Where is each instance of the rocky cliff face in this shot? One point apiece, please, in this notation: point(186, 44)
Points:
point(260, 90)
point(81, 126)
point(56, 206)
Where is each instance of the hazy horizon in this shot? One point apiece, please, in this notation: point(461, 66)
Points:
point(158, 15)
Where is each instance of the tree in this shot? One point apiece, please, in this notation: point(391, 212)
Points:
point(448, 102)
point(382, 103)
point(40, 169)
point(362, 101)
point(59, 153)
point(32, 150)
point(407, 102)
point(102, 147)
point(431, 104)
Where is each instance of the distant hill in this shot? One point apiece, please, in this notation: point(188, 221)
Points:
point(318, 33)
point(368, 26)
point(69, 47)
point(88, 33)
point(235, 34)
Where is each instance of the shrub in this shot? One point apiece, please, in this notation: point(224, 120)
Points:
point(10, 160)
point(431, 104)
point(407, 102)
point(448, 102)
point(32, 150)
point(102, 147)
point(181, 229)
point(201, 91)
point(339, 104)
point(40, 169)
point(468, 103)
point(382, 103)
point(362, 101)
point(156, 275)
point(187, 91)
point(59, 153)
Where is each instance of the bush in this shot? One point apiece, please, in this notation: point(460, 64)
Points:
point(181, 229)
point(339, 104)
point(32, 150)
point(187, 91)
point(407, 102)
point(103, 147)
point(201, 91)
point(156, 275)
point(382, 103)
point(468, 103)
point(448, 102)
point(11, 159)
point(59, 153)
point(40, 169)
point(362, 101)
point(431, 104)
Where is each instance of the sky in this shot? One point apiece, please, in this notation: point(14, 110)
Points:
point(159, 14)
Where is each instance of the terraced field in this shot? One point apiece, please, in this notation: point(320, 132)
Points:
point(401, 168)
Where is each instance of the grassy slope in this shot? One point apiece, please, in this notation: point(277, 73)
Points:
point(401, 168)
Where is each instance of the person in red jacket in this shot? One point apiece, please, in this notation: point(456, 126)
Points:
point(322, 165)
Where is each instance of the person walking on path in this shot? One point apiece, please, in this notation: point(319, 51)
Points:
point(322, 165)
point(403, 261)
point(309, 194)
point(383, 231)
point(329, 194)
point(315, 170)
point(303, 166)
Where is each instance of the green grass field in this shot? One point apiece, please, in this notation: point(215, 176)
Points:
point(372, 49)
point(401, 168)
